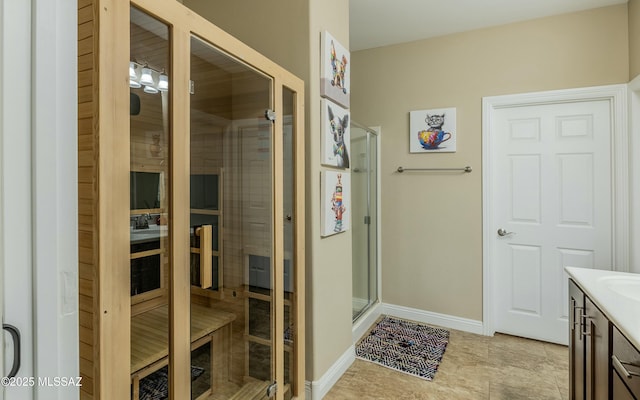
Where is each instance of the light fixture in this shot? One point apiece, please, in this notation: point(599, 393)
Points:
point(132, 71)
point(138, 79)
point(163, 82)
point(146, 78)
point(150, 89)
point(133, 76)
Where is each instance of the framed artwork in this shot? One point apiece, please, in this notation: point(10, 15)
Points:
point(335, 82)
point(335, 189)
point(432, 131)
point(336, 135)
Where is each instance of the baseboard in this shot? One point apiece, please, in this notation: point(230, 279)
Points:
point(316, 390)
point(365, 322)
point(443, 320)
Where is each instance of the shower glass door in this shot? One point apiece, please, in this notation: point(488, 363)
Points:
point(364, 179)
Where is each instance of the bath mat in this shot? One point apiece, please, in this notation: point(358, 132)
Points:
point(155, 387)
point(405, 346)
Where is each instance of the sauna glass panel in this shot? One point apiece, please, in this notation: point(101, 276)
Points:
point(149, 203)
point(231, 194)
point(288, 202)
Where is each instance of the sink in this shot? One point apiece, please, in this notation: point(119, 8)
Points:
point(153, 232)
point(625, 286)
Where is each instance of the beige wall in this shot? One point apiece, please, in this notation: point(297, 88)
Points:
point(288, 32)
point(432, 223)
point(329, 274)
point(277, 29)
point(634, 38)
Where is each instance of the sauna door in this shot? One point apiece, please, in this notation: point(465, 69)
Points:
point(231, 198)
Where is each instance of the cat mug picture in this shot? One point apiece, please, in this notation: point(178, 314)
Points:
point(432, 131)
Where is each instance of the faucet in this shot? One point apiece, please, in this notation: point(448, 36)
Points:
point(142, 221)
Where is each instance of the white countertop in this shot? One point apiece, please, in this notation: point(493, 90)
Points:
point(154, 232)
point(617, 295)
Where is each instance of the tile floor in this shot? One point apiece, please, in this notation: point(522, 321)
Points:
point(474, 367)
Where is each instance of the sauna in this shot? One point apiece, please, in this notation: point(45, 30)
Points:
point(191, 203)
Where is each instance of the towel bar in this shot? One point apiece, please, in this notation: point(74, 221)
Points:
point(465, 169)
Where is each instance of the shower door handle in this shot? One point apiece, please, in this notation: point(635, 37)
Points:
point(15, 334)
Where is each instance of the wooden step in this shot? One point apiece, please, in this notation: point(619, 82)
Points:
point(252, 391)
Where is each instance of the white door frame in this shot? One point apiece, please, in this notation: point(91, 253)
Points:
point(38, 190)
point(634, 133)
point(616, 95)
point(54, 201)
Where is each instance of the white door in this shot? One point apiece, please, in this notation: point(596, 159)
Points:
point(552, 207)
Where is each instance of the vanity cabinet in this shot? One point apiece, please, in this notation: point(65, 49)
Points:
point(603, 364)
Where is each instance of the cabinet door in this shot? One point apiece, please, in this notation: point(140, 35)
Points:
point(576, 343)
point(598, 364)
point(625, 365)
point(620, 391)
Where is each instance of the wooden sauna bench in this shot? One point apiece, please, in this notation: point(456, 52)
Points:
point(150, 341)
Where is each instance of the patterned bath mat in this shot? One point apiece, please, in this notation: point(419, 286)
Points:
point(405, 346)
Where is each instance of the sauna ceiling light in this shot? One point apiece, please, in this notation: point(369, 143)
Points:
point(163, 82)
point(133, 76)
point(150, 89)
point(146, 78)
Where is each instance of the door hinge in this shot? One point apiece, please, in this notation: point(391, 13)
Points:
point(192, 87)
point(270, 115)
point(367, 220)
point(272, 389)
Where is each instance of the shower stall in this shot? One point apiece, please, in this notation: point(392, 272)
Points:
point(364, 184)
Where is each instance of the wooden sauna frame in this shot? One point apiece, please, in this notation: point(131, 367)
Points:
point(103, 195)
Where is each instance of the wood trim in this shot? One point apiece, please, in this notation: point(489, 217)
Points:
point(180, 293)
point(278, 239)
point(113, 308)
point(87, 203)
point(146, 253)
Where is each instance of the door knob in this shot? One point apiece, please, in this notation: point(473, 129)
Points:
point(502, 232)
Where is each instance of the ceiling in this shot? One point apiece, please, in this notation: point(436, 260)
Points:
point(376, 23)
